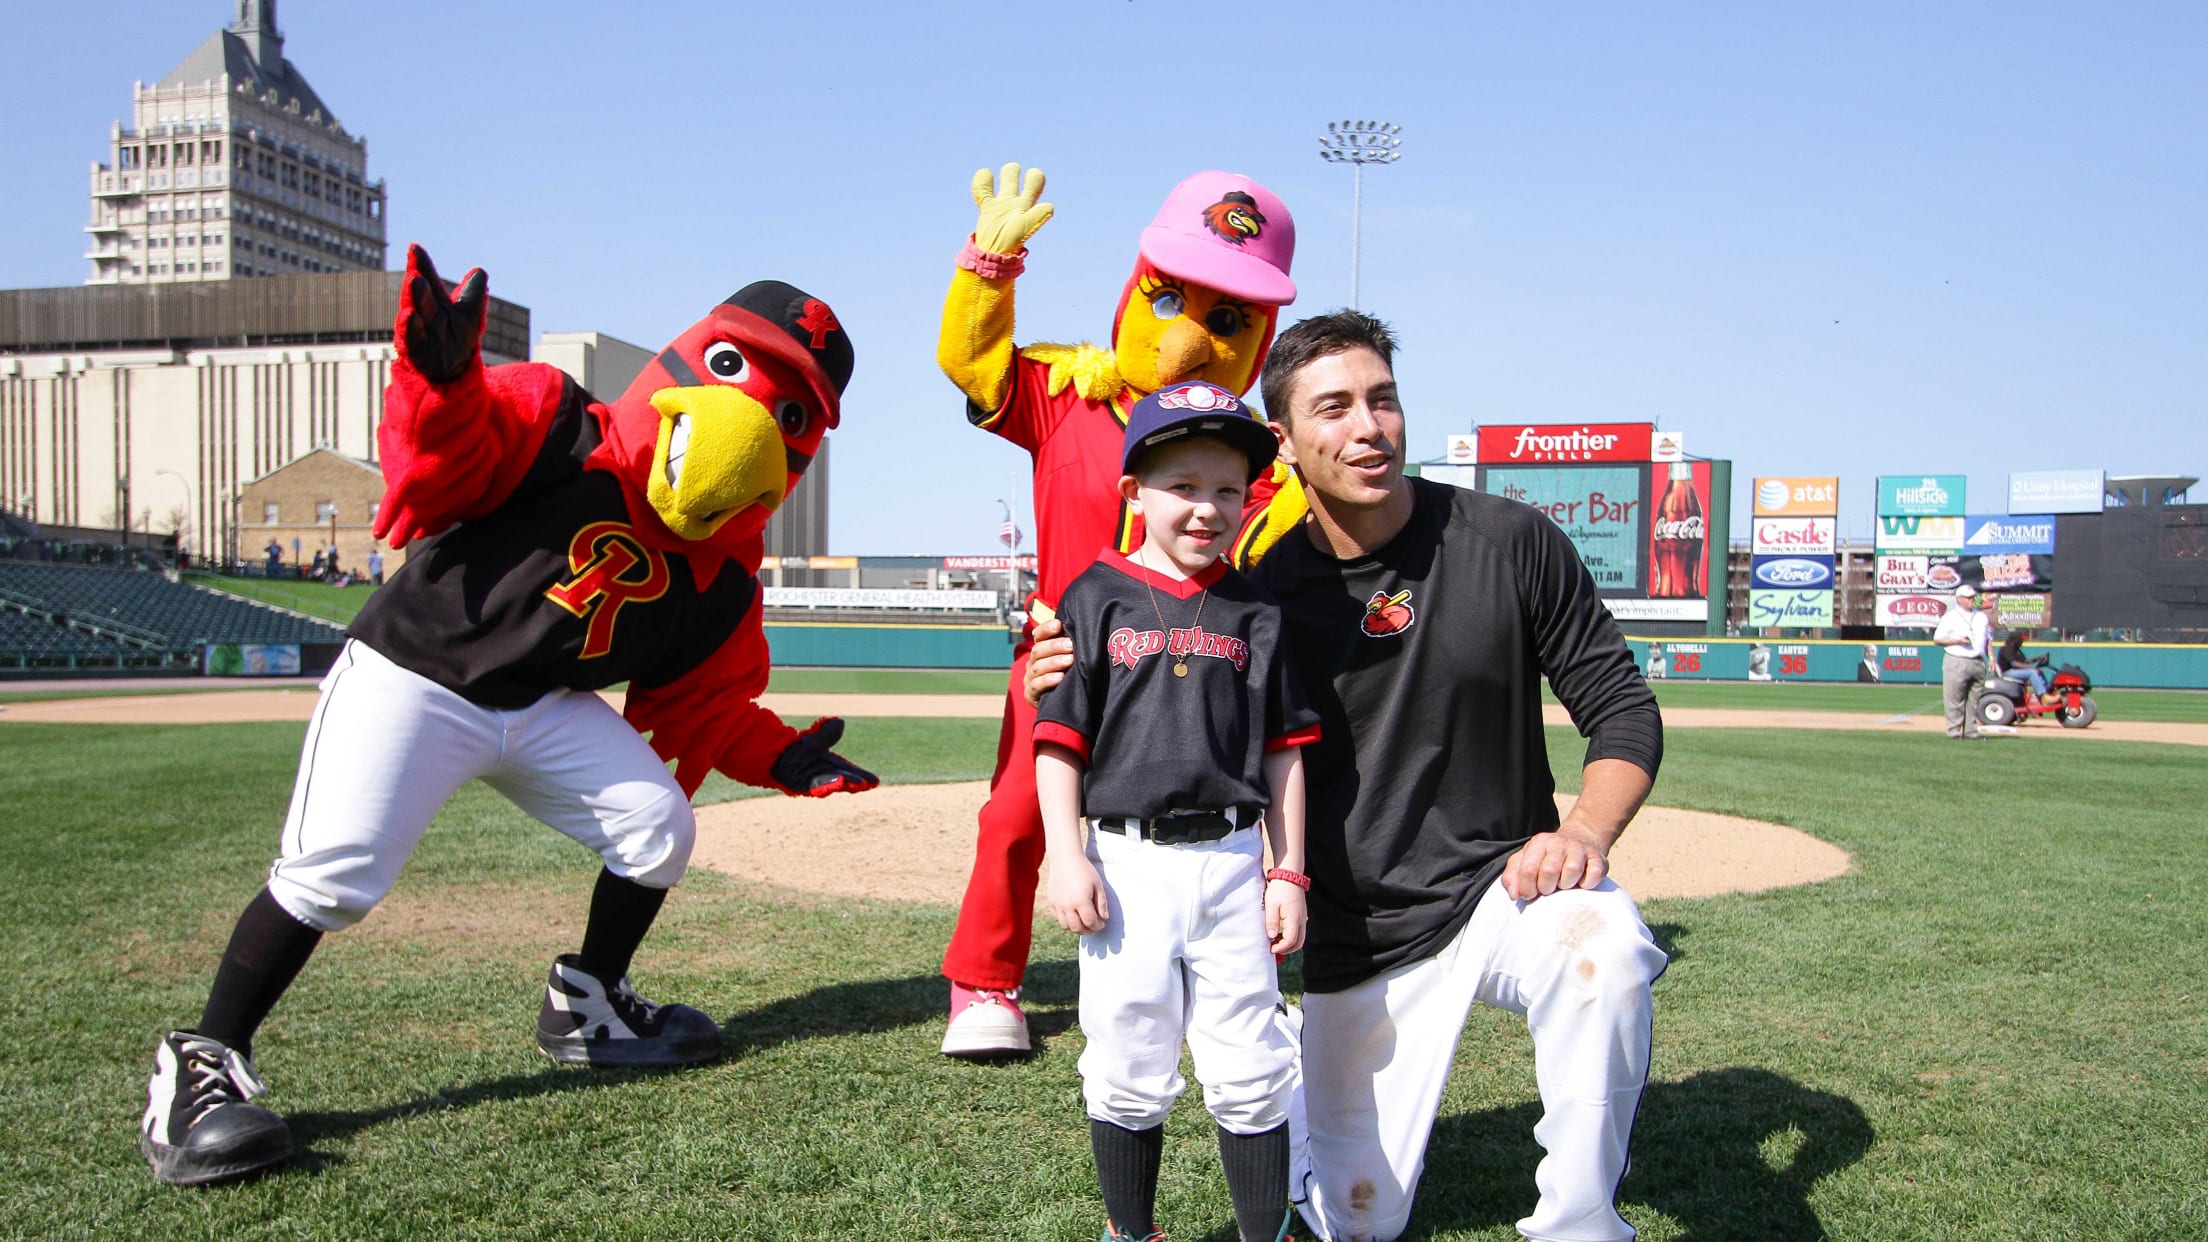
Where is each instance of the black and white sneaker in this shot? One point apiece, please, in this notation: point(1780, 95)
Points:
point(198, 1127)
point(586, 1022)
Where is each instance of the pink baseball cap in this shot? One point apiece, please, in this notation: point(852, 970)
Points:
point(1224, 230)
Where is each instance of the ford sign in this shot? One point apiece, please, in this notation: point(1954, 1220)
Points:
point(1798, 573)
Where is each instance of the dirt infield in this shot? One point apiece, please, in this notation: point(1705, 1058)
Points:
point(921, 846)
point(915, 843)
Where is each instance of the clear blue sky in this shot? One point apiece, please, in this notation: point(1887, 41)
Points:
point(1853, 240)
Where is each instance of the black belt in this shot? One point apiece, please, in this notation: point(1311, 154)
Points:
point(1185, 828)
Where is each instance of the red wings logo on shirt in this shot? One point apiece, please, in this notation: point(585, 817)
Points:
point(603, 556)
point(1387, 615)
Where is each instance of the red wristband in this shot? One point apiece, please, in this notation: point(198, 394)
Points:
point(991, 266)
point(1297, 878)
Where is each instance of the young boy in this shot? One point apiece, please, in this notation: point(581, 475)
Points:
point(1177, 728)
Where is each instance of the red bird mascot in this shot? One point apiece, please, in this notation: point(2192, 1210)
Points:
point(561, 546)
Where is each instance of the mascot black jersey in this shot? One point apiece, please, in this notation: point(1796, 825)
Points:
point(554, 589)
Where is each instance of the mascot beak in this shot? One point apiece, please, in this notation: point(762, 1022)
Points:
point(719, 453)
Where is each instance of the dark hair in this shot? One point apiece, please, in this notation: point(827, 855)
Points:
point(1315, 338)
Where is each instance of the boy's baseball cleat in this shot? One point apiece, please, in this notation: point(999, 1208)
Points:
point(1112, 1234)
point(985, 1022)
point(198, 1127)
point(587, 1022)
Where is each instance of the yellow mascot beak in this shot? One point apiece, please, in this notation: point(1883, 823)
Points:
point(719, 453)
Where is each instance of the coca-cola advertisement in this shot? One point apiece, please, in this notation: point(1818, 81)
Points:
point(1679, 531)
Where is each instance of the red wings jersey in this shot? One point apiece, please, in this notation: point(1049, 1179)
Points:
point(1178, 690)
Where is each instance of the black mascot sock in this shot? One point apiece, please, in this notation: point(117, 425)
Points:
point(1127, 1171)
point(265, 954)
point(621, 911)
point(1257, 1180)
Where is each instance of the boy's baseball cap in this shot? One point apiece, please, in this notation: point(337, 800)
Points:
point(1196, 408)
point(1224, 230)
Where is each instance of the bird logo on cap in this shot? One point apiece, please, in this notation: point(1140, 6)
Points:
point(1235, 217)
point(1199, 397)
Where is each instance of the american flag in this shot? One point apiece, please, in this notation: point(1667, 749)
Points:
point(1009, 534)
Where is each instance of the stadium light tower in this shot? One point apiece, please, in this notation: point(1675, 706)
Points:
point(1358, 143)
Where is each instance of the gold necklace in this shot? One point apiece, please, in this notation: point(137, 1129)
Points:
point(1180, 662)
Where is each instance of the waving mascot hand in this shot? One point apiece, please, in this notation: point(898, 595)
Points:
point(560, 546)
point(1203, 300)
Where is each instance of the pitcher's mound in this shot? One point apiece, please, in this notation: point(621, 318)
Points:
point(916, 843)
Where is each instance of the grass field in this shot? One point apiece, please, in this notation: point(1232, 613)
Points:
point(1993, 1028)
point(331, 603)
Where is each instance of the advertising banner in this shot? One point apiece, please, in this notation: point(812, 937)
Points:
point(856, 597)
point(1791, 497)
point(250, 659)
point(2009, 571)
point(1790, 610)
point(1519, 445)
point(1598, 507)
point(1790, 573)
point(1462, 450)
point(1902, 574)
point(2024, 610)
point(1658, 609)
point(1678, 532)
point(1025, 560)
point(1920, 495)
point(2056, 491)
point(1923, 534)
point(1667, 446)
point(1793, 536)
point(1910, 612)
point(1995, 533)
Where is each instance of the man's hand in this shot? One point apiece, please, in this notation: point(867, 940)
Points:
point(809, 769)
point(1552, 862)
point(439, 332)
point(1286, 916)
point(1048, 659)
point(1008, 211)
point(1076, 894)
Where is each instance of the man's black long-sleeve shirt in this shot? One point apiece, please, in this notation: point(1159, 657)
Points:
point(1425, 661)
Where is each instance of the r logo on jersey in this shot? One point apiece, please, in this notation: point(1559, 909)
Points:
point(1387, 616)
point(603, 556)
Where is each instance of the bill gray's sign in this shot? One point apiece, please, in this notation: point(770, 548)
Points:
point(2056, 491)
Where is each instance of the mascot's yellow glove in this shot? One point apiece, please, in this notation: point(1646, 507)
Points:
point(975, 345)
point(1010, 212)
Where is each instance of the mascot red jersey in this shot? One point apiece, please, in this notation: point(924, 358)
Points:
point(559, 546)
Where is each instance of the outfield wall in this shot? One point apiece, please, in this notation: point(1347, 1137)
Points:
point(827, 645)
point(2161, 666)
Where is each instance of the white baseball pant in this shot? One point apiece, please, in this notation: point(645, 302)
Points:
point(1183, 954)
point(1376, 1056)
point(387, 747)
